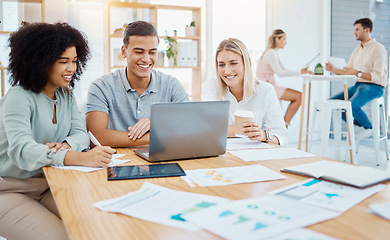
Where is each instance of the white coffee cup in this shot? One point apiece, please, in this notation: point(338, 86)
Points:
point(241, 116)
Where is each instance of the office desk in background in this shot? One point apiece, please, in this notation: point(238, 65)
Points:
point(307, 80)
point(76, 192)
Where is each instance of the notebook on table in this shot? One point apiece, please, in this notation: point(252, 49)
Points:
point(356, 176)
point(187, 130)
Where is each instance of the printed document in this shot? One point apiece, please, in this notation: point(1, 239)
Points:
point(114, 162)
point(381, 209)
point(245, 143)
point(230, 175)
point(302, 234)
point(338, 63)
point(327, 195)
point(161, 205)
point(258, 218)
point(270, 154)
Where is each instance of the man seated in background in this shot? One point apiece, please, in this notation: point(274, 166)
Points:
point(368, 63)
point(119, 103)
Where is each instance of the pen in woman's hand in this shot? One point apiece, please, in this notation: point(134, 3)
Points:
point(93, 139)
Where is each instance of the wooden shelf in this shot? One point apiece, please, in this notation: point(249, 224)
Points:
point(25, 1)
point(6, 32)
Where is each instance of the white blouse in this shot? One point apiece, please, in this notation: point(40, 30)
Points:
point(264, 104)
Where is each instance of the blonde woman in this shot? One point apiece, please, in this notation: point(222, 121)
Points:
point(236, 83)
point(269, 64)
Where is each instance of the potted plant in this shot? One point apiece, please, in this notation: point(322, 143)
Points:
point(191, 30)
point(171, 51)
point(319, 69)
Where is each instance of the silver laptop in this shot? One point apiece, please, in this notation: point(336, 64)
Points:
point(187, 130)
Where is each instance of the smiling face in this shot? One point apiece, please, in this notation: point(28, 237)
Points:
point(281, 42)
point(231, 68)
point(61, 72)
point(140, 54)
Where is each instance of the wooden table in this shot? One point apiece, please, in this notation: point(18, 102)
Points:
point(75, 192)
point(307, 80)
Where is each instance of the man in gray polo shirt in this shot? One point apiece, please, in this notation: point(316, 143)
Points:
point(119, 103)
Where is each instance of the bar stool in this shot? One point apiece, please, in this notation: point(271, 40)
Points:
point(336, 108)
point(379, 122)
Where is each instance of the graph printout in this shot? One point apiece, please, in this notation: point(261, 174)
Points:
point(328, 195)
point(258, 218)
point(161, 205)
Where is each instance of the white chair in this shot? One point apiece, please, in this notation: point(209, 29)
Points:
point(336, 108)
point(379, 127)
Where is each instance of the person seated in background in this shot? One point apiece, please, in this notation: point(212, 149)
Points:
point(236, 83)
point(40, 125)
point(368, 63)
point(119, 103)
point(269, 64)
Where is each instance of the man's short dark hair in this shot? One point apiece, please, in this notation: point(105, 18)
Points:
point(365, 22)
point(139, 28)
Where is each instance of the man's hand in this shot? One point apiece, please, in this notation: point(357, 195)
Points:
point(139, 129)
point(329, 67)
point(55, 146)
point(350, 71)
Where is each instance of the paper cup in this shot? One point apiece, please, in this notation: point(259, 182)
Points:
point(241, 116)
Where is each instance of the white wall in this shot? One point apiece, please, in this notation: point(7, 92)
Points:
point(307, 25)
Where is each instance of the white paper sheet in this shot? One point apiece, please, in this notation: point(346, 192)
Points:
point(381, 209)
point(302, 234)
point(230, 175)
point(338, 63)
point(114, 162)
point(325, 194)
point(270, 154)
point(245, 143)
point(258, 218)
point(161, 205)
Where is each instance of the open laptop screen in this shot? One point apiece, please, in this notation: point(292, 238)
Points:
point(188, 130)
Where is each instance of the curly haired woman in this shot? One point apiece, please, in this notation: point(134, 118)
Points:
point(40, 125)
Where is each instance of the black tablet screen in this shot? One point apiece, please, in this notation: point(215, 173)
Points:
point(145, 171)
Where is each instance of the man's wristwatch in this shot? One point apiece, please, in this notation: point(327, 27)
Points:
point(359, 74)
point(267, 136)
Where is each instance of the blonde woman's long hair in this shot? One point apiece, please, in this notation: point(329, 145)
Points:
point(238, 47)
point(277, 33)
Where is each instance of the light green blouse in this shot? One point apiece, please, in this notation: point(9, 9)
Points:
point(26, 126)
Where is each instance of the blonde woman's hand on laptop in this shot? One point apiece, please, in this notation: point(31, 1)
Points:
point(139, 129)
